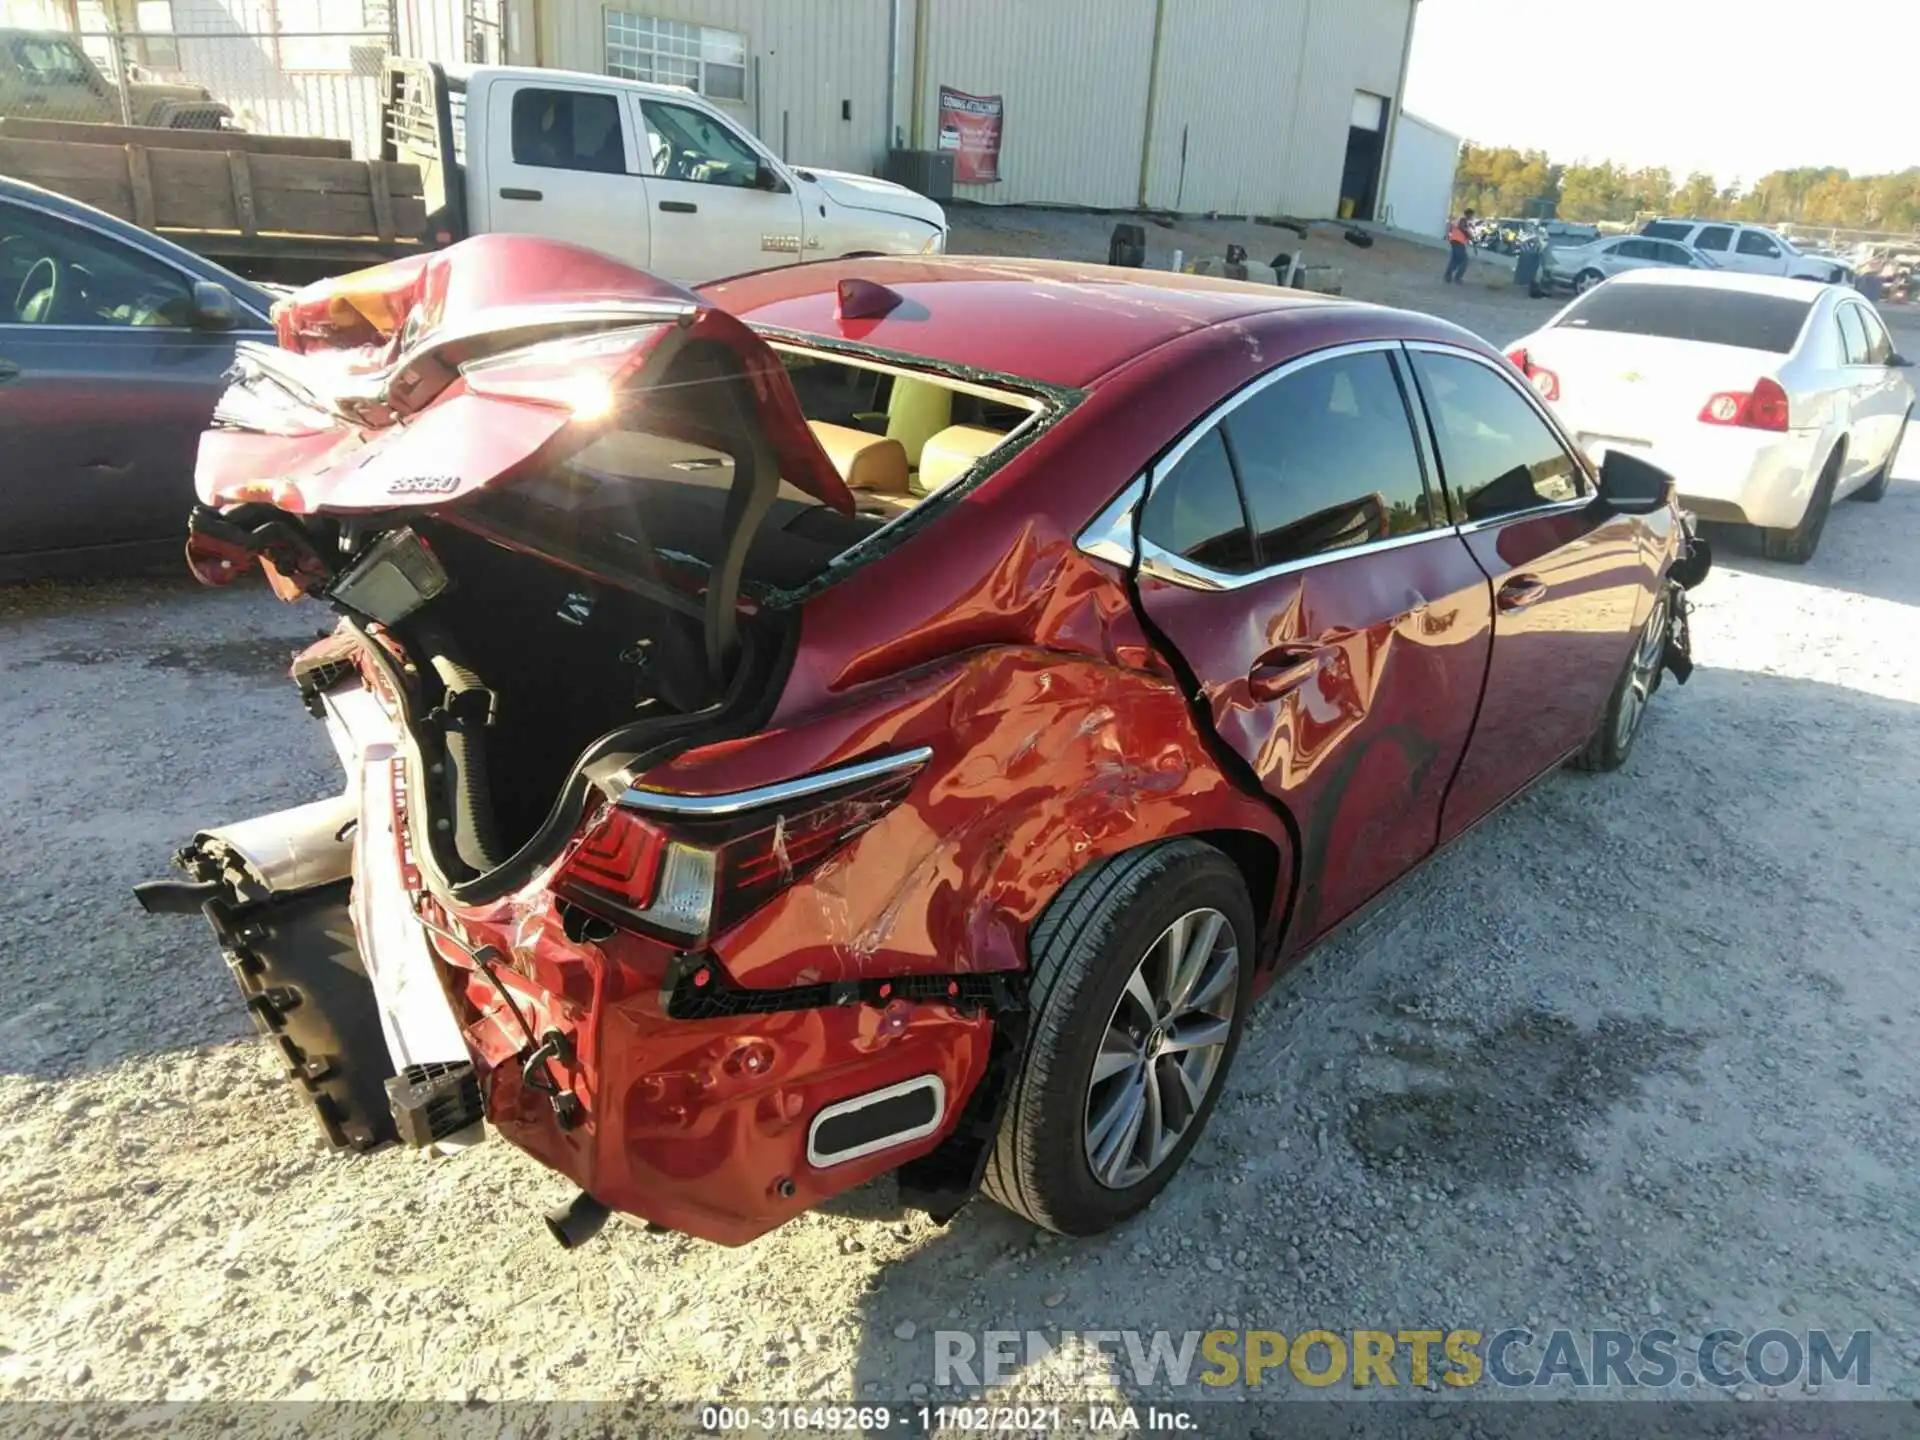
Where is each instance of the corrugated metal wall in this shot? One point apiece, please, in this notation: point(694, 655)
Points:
point(810, 56)
point(1420, 180)
point(1351, 45)
point(1074, 77)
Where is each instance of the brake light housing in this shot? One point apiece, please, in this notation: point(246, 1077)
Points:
point(1764, 407)
point(1545, 382)
point(685, 876)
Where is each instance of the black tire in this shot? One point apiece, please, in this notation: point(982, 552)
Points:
point(1795, 546)
point(1083, 952)
point(1586, 280)
point(1875, 490)
point(1612, 741)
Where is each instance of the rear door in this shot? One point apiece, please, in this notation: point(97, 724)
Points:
point(717, 207)
point(1296, 555)
point(1569, 584)
point(105, 386)
point(1714, 241)
point(1882, 395)
point(1757, 253)
point(562, 162)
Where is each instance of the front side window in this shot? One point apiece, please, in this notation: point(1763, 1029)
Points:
point(57, 274)
point(1326, 459)
point(1635, 250)
point(1498, 456)
point(1853, 335)
point(709, 61)
point(688, 144)
point(568, 130)
point(1752, 242)
point(1714, 237)
point(1194, 511)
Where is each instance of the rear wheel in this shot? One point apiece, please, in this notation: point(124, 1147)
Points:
point(1586, 280)
point(1796, 545)
point(1142, 974)
point(1876, 488)
point(1612, 739)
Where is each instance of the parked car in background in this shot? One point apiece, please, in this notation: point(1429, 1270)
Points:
point(1768, 398)
point(114, 346)
point(45, 75)
point(1114, 634)
point(1750, 249)
point(1581, 267)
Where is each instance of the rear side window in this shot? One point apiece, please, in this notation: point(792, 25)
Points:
point(1879, 343)
point(1194, 511)
point(1853, 335)
point(568, 130)
point(1637, 249)
point(1498, 456)
point(1752, 242)
point(1714, 237)
point(1684, 312)
point(1667, 230)
point(1327, 460)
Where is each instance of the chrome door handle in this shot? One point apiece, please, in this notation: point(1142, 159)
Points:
point(1520, 592)
point(514, 192)
point(8, 371)
point(1283, 669)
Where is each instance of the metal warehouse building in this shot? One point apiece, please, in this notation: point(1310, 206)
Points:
point(1234, 106)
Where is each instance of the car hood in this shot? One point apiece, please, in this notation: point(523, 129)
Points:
point(424, 381)
point(868, 192)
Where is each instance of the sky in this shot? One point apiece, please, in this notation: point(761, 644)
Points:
point(1732, 87)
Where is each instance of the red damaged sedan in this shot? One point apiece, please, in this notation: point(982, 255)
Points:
point(886, 715)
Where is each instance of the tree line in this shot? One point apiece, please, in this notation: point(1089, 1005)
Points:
point(1504, 181)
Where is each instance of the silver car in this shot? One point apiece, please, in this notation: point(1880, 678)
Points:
point(1582, 267)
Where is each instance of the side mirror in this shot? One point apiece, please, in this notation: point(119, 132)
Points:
point(213, 307)
point(768, 178)
point(1897, 361)
point(1632, 486)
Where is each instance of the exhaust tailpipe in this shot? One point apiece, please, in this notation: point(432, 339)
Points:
point(576, 1223)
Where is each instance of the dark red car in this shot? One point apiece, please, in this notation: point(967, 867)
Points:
point(889, 715)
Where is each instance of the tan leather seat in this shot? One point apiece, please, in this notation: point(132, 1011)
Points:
point(865, 462)
point(950, 454)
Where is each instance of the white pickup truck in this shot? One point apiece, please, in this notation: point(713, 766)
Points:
point(651, 174)
point(1751, 249)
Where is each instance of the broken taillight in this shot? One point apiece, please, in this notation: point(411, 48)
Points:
point(1546, 384)
point(683, 877)
point(1762, 408)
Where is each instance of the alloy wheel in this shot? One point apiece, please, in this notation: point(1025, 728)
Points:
point(1645, 670)
point(1160, 1054)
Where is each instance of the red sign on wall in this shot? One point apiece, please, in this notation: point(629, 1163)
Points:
point(970, 129)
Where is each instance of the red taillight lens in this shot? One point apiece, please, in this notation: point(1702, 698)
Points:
point(684, 878)
point(1762, 408)
point(1546, 384)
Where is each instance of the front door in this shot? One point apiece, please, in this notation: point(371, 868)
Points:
point(1569, 582)
point(105, 386)
point(563, 163)
point(1295, 555)
point(717, 208)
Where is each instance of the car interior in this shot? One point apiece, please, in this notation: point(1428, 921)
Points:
point(52, 276)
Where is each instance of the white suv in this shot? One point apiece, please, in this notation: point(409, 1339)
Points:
point(1750, 249)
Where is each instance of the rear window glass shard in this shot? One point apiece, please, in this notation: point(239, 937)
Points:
point(1708, 314)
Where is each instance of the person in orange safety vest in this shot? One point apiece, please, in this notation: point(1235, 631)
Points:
point(1459, 236)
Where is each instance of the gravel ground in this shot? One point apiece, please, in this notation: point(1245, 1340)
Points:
point(1639, 1051)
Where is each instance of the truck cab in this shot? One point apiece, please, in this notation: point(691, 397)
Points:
point(653, 175)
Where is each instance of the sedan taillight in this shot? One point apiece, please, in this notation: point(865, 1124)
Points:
point(1762, 408)
point(686, 878)
point(1545, 383)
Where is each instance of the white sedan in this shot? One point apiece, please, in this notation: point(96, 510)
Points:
point(1767, 398)
point(1581, 267)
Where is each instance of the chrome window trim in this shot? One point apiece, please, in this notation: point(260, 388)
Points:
point(266, 322)
point(1167, 566)
point(735, 802)
point(264, 332)
point(1109, 535)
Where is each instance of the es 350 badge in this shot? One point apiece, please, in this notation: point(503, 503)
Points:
point(424, 485)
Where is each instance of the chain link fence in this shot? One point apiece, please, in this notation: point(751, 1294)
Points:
point(320, 83)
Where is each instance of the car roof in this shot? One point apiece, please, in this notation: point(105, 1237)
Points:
point(1726, 280)
point(66, 207)
point(1058, 322)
